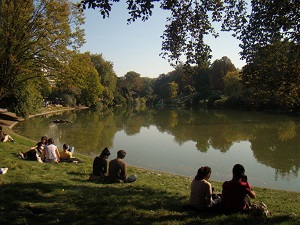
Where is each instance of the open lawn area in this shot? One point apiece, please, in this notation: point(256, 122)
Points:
point(49, 193)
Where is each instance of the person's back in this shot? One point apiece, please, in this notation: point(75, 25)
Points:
point(118, 168)
point(100, 165)
point(200, 196)
point(65, 154)
point(235, 191)
point(51, 153)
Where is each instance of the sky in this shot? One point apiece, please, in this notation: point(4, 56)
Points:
point(136, 47)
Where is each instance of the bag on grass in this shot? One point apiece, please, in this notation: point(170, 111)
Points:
point(259, 209)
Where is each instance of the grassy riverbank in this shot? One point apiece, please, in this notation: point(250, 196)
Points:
point(34, 193)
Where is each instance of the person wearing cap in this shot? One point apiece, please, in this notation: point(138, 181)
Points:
point(100, 165)
point(235, 192)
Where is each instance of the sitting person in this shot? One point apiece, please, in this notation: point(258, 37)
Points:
point(5, 137)
point(51, 153)
point(35, 152)
point(118, 169)
point(236, 191)
point(67, 154)
point(100, 166)
point(202, 191)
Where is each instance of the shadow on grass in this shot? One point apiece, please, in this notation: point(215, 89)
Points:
point(40, 203)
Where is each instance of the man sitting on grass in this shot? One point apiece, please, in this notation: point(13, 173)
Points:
point(118, 169)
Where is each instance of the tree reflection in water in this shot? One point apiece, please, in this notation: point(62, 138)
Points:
point(274, 138)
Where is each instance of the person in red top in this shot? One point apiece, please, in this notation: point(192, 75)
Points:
point(236, 191)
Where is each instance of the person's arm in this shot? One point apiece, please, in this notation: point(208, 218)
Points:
point(123, 171)
point(57, 154)
point(251, 193)
point(105, 168)
point(209, 197)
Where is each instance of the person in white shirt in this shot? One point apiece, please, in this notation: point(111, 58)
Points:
point(51, 153)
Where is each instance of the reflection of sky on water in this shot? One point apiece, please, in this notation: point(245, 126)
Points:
point(180, 141)
point(158, 151)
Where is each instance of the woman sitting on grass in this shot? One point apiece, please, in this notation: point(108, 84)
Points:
point(35, 152)
point(201, 191)
point(51, 153)
point(67, 154)
point(100, 166)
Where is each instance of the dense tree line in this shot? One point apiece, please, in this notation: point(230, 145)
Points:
point(39, 42)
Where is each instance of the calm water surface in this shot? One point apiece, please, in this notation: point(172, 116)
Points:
point(179, 140)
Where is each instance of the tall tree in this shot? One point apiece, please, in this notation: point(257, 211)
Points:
point(272, 78)
point(218, 70)
point(82, 80)
point(108, 77)
point(35, 37)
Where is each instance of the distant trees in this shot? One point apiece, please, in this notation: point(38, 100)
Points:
point(218, 70)
point(268, 29)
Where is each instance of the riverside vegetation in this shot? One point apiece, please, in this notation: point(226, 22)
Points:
point(34, 193)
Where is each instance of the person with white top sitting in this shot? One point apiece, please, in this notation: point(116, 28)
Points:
point(51, 153)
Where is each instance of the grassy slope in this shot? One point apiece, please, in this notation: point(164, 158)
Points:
point(62, 194)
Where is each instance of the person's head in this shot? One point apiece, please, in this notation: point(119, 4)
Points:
point(105, 153)
point(50, 141)
point(238, 171)
point(44, 139)
point(1, 128)
point(65, 147)
point(121, 154)
point(203, 172)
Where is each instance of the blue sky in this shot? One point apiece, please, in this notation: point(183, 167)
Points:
point(136, 47)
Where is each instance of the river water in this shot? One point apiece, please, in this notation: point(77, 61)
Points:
point(180, 140)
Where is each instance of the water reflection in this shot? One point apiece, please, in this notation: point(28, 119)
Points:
point(216, 135)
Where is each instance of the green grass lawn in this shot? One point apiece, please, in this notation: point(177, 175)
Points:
point(35, 193)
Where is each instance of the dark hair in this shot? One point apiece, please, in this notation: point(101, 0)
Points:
point(44, 138)
point(65, 146)
point(121, 154)
point(50, 141)
point(105, 152)
point(202, 172)
point(238, 171)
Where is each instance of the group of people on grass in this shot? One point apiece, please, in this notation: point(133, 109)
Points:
point(235, 193)
point(113, 171)
point(47, 151)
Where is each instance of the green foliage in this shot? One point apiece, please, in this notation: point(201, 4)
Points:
point(105, 71)
point(233, 84)
point(169, 90)
point(187, 25)
point(68, 100)
point(272, 78)
point(218, 70)
point(35, 37)
point(25, 100)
